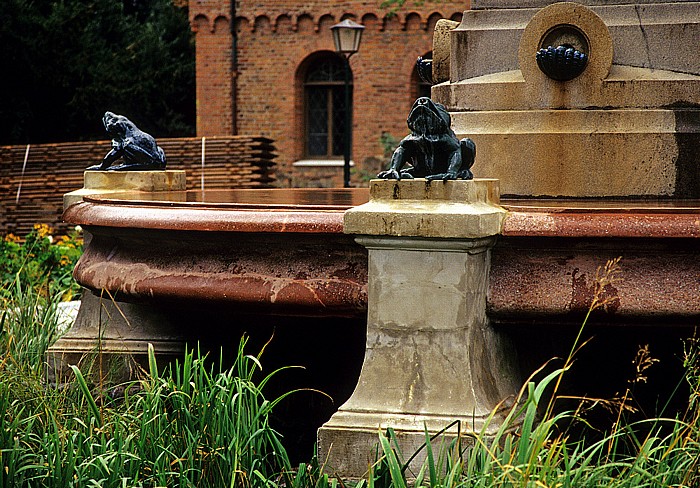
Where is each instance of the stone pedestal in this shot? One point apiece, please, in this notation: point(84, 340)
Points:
point(431, 357)
point(105, 182)
point(110, 338)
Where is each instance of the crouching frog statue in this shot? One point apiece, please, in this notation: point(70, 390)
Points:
point(432, 149)
point(137, 150)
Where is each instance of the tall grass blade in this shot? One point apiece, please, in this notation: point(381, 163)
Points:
point(395, 469)
point(82, 384)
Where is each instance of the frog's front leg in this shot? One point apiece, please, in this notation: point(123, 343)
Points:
point(109, 158)
point(138, 158)
point(398, 161)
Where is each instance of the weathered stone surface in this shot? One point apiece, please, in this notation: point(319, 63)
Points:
point(487, 39)
point(116, 334)
point(105, 182)
point(578, 153)
point(447, 209)
point(119, 331)
point(431, 360)
point(441, 49)
point(500, 4)
point(431, 357)
point(625, 127)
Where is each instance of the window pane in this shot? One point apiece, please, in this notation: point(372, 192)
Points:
point(318, 144)
point(339, 120)
point(317, 121)
point(325, 108)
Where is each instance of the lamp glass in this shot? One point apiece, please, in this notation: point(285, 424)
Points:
point(347, 36)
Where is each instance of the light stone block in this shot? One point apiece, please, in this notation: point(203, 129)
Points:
point(628, 126)
point(119, 331)
point(432, 361)
point(105, 182)
point(419, 208)
point(431, 357)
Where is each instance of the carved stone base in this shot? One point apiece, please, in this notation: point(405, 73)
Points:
point(431, 357)
point(102, 182)
point(109, 340)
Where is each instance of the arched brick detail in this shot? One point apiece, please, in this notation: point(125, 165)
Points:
point(432, 20)
point(283, 24)
point(262, 24)
point(305, 23)
point(370, 21)
point(221, 25)
point(413, 21)
point(243, 25)
point(393, 22)
point(199, 23)
point(325, 22)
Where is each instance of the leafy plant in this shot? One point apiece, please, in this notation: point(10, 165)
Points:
point(40, 260)
point(195, 423)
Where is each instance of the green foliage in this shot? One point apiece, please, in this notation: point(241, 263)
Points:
point(191, 425)
point(41, 261)
point(68, 61)
point(389, 144)
point(372, 166)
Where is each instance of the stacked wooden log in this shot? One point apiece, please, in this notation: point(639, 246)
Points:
point(55, 169)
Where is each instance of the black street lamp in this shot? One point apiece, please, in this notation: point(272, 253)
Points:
point(347, 36)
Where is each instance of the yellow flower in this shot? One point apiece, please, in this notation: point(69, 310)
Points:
point(43, 230)
point(12, 238)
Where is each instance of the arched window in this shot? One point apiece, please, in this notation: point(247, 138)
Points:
point(324, 92)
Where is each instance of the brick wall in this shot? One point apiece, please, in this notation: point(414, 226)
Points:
point(55, 169)
point(275, 38)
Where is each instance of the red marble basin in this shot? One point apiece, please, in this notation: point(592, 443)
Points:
point(544, 265)
point(271, 251)
point(282, 251)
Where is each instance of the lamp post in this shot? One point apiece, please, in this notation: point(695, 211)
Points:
point(347, 36)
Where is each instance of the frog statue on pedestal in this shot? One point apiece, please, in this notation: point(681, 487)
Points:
point(138, 150)
point(432, 148)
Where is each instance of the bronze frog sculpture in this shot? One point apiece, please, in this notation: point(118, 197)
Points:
point(137, 149)
point(432, 148)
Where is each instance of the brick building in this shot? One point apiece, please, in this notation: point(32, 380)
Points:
point(276, 73)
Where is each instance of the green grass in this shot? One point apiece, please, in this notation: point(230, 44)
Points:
point(192, 424)
point(196, 424)
point(536, 446)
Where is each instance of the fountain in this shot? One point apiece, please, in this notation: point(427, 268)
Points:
point(595, 146)
point(595, 160)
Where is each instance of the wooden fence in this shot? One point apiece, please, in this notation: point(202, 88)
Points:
point(55, 169)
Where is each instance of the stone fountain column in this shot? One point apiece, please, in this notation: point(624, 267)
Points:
point(113, 336)
point(431, 356)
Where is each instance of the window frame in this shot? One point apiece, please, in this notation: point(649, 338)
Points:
point(329, 86)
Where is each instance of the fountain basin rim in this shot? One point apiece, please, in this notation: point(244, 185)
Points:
point(602, 218)
point(271, 199)
point(526, 217)
point(88, 214)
